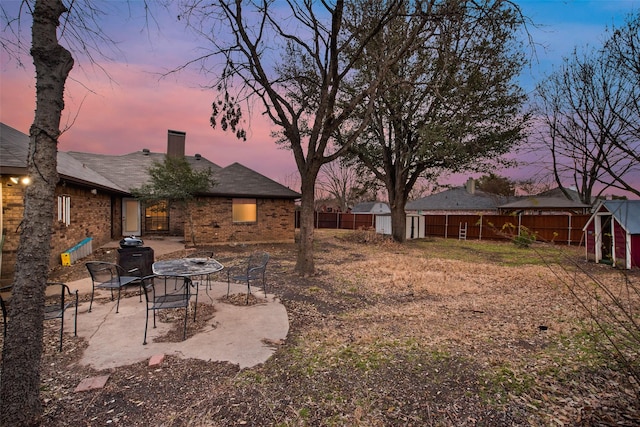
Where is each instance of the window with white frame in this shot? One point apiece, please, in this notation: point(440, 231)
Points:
point(245, 210)
point(64, 209)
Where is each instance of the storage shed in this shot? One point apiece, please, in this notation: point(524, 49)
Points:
point(375, 208)
point(612, 234)
point(415, 225)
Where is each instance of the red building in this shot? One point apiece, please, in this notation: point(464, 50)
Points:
point(612, 234)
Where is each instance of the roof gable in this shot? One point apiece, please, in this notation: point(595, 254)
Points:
point(239, 181)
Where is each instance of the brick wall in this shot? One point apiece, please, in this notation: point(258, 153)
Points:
point(12, 202)
point(176, 222)
point(90, 216)
point(213, 222)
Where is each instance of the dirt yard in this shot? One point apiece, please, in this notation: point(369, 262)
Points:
point(430, 333)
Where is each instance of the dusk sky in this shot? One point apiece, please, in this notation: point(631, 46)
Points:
point(136, 107)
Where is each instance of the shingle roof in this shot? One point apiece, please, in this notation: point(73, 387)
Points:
point(371, 207)
point(14, 146)
point(557, 192)
point(544, 203)
point(238, 180)
point(122, 173)
point(131, 170)
point(457, 199)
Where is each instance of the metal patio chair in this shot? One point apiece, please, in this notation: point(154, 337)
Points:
point(165, 293)
point(254, 268)
point(106, 275)
point(57, 303)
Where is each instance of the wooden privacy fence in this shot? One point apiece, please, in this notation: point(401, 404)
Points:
point(341, 220)
point(566, 229)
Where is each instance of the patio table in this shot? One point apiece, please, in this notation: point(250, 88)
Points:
point(189, 267)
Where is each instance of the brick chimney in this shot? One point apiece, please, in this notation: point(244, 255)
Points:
point(175, 143)
point(471, 186)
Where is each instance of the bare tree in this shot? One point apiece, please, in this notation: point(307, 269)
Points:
point(20, 383)
point(422, 188)
point(450, 105)
point(588, 125)
point(623, 52)
point(533, 186)
point(591, 112)
point(339, 181)
point(296, 60)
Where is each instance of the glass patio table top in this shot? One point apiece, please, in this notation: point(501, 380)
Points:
point(186, 267)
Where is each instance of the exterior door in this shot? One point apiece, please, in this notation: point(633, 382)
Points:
point(131, 217)
point(604, 239)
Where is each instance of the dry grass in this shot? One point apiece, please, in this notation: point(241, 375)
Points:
point(432, 332)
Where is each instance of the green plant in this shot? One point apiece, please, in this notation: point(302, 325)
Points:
point(522, 236)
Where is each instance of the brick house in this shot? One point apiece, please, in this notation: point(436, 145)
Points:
point(94, 200)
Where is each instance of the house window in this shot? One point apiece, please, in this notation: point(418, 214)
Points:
point(156, 217)
point(244, 210)
point(64, 209)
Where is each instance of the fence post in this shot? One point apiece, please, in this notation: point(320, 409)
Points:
point(519, 222)
point(569, 231)
point(446, 225)
point(480, 232)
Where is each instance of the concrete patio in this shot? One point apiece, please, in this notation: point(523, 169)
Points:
point(238, 334)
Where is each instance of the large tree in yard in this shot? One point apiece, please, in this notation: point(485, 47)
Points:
point(20, 381)
point(298, 59)
point(450, 105)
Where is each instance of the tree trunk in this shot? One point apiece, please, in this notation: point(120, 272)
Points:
point(20, 382)
point(398, 219)
point(304, 264)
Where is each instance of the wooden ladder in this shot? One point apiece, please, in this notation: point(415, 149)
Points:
point(462, 232)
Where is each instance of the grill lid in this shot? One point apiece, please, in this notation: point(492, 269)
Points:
point(131, 241)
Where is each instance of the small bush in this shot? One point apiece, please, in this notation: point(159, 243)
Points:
point(525, 239)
